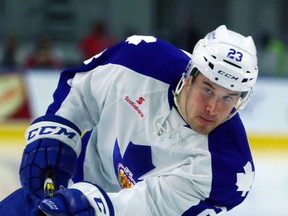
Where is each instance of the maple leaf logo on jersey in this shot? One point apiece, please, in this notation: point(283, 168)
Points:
point(136, 39)
point(244, 180)
point(130, 165)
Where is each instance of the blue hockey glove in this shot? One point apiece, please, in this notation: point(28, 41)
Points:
point(50, 153)
point(67, 202)
point(82, 199)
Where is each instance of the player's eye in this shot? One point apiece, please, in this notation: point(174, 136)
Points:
point(208, 91)
point(228, 98)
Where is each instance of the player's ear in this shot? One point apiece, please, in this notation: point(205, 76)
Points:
point(188, 80)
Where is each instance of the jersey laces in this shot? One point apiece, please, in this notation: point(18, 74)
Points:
point(164, 131)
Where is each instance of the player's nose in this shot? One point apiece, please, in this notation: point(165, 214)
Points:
point(212, 106)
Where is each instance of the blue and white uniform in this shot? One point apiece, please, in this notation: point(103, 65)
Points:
point(139, 150)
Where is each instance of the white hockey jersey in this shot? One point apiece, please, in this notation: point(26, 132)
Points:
point(138, 148)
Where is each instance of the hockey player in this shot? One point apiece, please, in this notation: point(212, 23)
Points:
point(163, 133)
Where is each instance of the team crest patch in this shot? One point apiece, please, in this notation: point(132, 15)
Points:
point(134, 163)
point(125, 177)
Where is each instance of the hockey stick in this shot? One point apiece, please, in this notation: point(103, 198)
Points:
point(49, 188)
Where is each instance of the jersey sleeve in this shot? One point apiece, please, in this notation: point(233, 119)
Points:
point(232, 163)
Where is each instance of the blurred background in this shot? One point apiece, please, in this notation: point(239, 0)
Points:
point(38, 39)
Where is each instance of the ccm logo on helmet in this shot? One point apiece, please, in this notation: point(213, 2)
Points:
point(232, 77)
point(44, 130)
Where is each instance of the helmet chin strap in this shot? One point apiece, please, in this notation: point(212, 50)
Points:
point(180, 85)
point(190, 71)
point(177, 92)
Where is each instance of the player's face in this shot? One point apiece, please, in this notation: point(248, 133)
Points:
point(204, 104)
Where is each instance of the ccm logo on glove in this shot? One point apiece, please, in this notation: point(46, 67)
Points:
point(45, 130)
point(54, 130)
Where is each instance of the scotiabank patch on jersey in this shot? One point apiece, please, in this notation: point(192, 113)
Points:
point(138, 103)
point(135, 162)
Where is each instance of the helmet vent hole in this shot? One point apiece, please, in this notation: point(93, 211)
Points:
point(232, 86)
point(216, 78)
point(244, 80)
point(205, 58)
point(235, 65)
point(194, 71)
point(213, 56)
point(211, 65)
